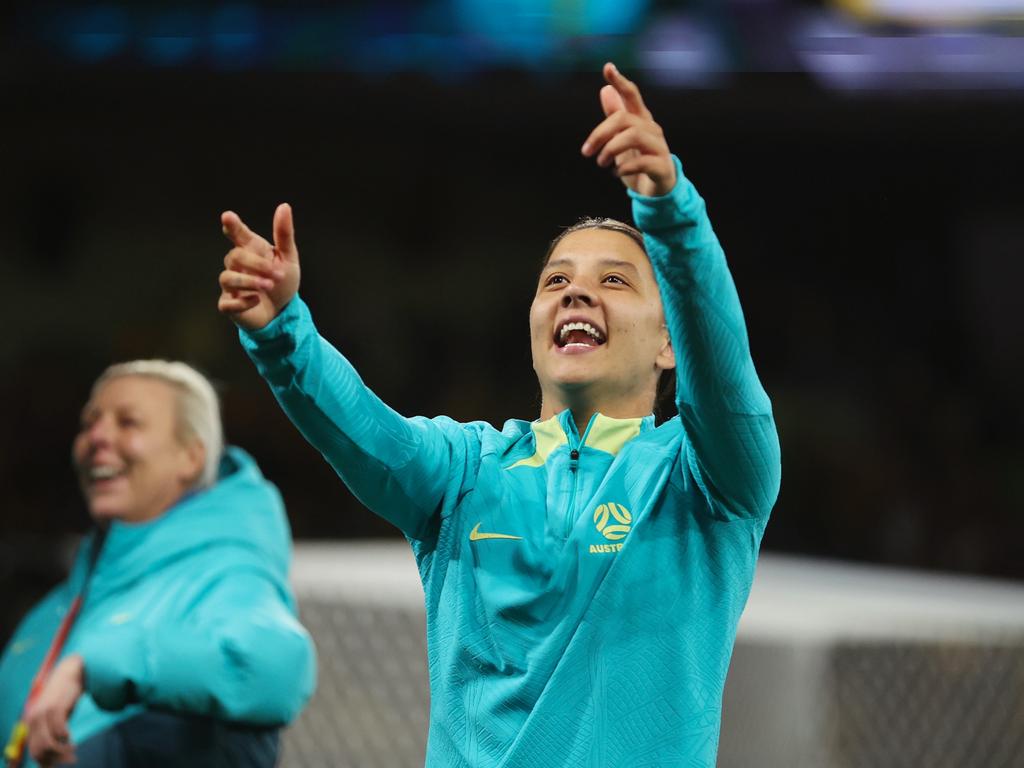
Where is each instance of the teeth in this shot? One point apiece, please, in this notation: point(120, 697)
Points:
point(103, 473)
point(577, 326)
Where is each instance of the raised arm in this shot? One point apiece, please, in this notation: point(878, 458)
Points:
point(733, 448)
point(399, 468)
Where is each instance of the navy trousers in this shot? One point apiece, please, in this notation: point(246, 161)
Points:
point(166, 740)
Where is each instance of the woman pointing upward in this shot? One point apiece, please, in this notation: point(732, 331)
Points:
point(584, 573)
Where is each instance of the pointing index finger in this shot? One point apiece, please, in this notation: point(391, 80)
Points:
point(627, 89)
point(238, 233)
point(234, 229)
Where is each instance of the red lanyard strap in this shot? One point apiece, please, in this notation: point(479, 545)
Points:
point(14, 752)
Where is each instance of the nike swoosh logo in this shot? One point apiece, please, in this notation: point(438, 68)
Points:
point(475, 535)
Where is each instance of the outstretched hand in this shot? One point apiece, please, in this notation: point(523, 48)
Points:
point(629, 138)
point(259, 279)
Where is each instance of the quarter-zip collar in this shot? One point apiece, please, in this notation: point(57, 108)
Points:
point(603, 432)
point(568, 424)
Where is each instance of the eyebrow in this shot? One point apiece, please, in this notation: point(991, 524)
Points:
point(613, 263)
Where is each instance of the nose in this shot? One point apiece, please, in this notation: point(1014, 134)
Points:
point(98, 432)
point(576, 294)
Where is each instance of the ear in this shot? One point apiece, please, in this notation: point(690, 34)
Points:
point(193, 459)
point(666, 359)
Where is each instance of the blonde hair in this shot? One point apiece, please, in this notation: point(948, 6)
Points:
point(198, 415)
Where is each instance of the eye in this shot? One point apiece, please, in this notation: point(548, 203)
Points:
point(556, 279)
point(615, 280)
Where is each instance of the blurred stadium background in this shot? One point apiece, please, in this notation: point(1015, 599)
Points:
point(861, 160)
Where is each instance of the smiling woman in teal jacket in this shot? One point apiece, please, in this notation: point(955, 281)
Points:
point(584, 573)
point(185, 649)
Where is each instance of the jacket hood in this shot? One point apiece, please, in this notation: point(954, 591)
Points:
point(242, 510)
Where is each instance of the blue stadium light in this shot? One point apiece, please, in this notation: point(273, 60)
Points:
point(533, 32)
point(848, 56)
point(235, 35)
point(684, 51)
point(173, 38)
point(95, 34)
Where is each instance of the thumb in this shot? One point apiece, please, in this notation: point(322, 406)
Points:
point(284, 232)
point(611, 101)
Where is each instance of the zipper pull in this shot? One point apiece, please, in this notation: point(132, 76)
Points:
point(574, 459)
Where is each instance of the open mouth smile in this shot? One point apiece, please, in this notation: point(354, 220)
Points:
point(578, 336)
point(99, 474)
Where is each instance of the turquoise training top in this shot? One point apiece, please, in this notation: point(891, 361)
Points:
point(582, 591)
